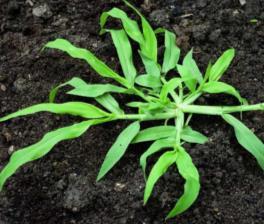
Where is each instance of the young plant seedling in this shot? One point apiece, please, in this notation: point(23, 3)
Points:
point(161, 98)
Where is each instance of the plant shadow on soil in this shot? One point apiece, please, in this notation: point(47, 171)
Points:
point(61, 188)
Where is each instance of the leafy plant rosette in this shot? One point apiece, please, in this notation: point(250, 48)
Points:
point(161, 98)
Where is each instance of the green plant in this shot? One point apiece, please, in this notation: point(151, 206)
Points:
point(161, 98)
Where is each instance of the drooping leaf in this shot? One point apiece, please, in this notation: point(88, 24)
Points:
point(149, 47)
point(109, 103)
point(157, 146)
point(221, 87)
point(131, 27)
point(124, 52)
point(221, 65)
point(247, 138)
point(168, 87)
point(154, 133)
point(73, 108)
point(160, 168)
point(172, 52)
point(190, 64)
point(41, 148)
point(119, 148)
point(100, 67)
point(189, 135)
point(192, 183)
point(148, 81)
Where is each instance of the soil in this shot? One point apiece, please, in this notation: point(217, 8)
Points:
point(61, 187)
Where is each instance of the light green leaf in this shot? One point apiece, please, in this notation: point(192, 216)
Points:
point(124, 52)
point(80, 53)
point(187, 77)
point(131, 27)
point(109, 103)
point(192, 183)
point(168, 87)
point(247, 138)
point(119, 148)
point(148, 81)
point(190, 64)
point(151, 67)
point(41, 148)
point(172, 52)
point(73, 108)
point(159, 169)
point(149, 47)
point(221, 65)
point(221, 87)
point(155, 133)
point(189, 135)
point(157, 146)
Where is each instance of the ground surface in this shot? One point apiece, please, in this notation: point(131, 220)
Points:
point(61, 188)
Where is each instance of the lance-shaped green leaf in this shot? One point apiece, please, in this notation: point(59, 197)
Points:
point(154, 148)
point(247, 138)
point(40, 149)
point(187, 77)
point(169, 87)
point(119, 148)
point(131, 27)
point(154, 133)
point(190, 64)
point(192, 183)
point(100, 67)
point(172, 52)
point(73, 108)
point(158, 170)
point(151, 67)
point(124, 52)
point(149, 47)
point(221, 65)
point(148, 81)
point(189, 135)
point(109, 103)
point(221, 87)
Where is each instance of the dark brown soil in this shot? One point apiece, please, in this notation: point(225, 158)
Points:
point(61, 188)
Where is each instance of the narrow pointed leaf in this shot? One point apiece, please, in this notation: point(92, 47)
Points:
point(221, 87)
point(186, 75)
point(148, 81)
point(155, 147)
point(149, 48)
point(247, 138)
point(131, 27)
point(100, 67)
point(192, 183)
point(151, 67)
point(168, 87)
point(155, 133)
point(190, 64)
point(124, 52)
point(189, 135)
point(172, 52)
point(119, 148)
point(73, 108)
point(159, 169)
point(221, 65)
point(41, 148)
point(109, 103)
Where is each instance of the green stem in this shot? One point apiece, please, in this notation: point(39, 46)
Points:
point(147, 117)
point(218, 110)
point(179, 126)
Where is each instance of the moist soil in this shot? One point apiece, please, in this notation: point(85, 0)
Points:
point(61, 187)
